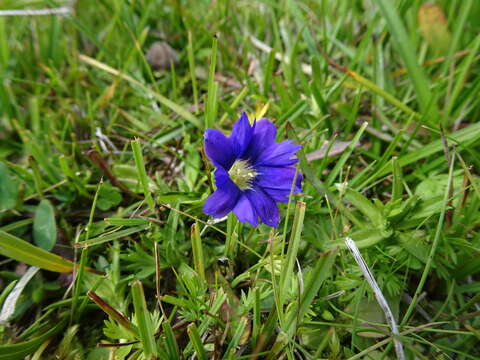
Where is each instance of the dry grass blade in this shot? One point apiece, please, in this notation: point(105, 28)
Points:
point(378, 295)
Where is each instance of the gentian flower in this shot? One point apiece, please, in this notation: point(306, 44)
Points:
point(253, 172)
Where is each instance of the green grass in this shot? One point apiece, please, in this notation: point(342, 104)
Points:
point(103, 178)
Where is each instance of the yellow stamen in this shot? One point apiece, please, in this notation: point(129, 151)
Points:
point(242, 174)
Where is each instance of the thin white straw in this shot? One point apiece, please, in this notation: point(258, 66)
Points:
point(378, 295)
point(64, 10)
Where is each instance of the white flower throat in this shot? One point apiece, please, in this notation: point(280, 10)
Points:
point(242, 174)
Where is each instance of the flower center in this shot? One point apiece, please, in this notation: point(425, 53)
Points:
point(242, 174)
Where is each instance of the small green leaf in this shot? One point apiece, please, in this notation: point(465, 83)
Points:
point(8, 189)
point(108, 197)
point(44, 228)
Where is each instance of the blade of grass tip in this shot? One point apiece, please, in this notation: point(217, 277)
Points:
point(142, 173)
point(435, 243)
point(144, 321)
point(198, 259)
point(165, 101)
point(407, 51)
point(196, 341)
point(191, 65)
point(212, 88)
point(378, 295)
point(343, 159)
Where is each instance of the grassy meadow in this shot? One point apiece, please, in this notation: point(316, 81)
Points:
point(105, 252)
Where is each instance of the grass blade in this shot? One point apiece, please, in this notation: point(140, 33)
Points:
point(165, 101)
point(196, 341)
point(212, 88)
point(320, 272)
point(22, 349)
point(20, 250)
point(144, 321)
point(289, 262)
point(171, 342)
point(111, 236)
point(407, 51)
point(198, 259)
point(142, 174)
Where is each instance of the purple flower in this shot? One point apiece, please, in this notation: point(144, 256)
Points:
point(253, 172)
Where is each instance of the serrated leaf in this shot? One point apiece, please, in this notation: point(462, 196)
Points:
point(44, 227)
